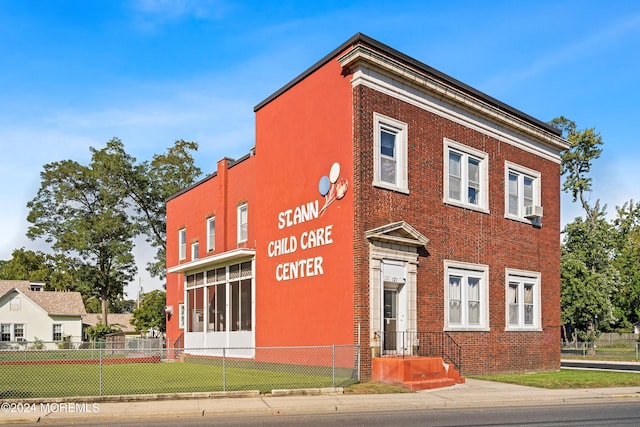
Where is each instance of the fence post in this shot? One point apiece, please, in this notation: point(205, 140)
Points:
point(333, 365)
point(224, 370)
point(100, 363)
point(638, 343)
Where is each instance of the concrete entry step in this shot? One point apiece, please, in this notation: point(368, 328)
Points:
point(416, 373)
point(429, 384)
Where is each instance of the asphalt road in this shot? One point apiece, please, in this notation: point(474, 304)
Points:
point(625, 413)
point(605, 366)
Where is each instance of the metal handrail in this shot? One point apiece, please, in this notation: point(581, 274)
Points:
point(429, 344)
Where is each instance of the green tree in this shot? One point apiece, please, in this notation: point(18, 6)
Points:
point(150, 316)
point(626, 262)
point(588, 278)
point(148, 185)
point(82, 212)
point(100, 331)
point(27, 265)
point(584, 148)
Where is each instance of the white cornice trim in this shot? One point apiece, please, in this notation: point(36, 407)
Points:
point(223, 258)
point(380, 72)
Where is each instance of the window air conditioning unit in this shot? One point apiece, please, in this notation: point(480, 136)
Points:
point(533, 211)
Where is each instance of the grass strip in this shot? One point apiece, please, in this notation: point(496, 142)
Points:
point(568, 378)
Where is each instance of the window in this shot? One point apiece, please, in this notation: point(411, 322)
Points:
point(466, 296)
point(18, 332)
point(227, 302)
point(465, 176)
point(522, 190)
point(390, 154)
point(211, 234)
point(195, 299)
point(242, 223)
point(217, 307)
point(5, 332)
point(217, 291)
point(15, 303)
point(523, 300)
point(57, 332)
point(182, 243)
point(194, 250)
point(181, 316)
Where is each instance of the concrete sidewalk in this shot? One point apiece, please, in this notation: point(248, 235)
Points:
point(474, 393)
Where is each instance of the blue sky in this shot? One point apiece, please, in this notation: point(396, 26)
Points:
point(75, 74)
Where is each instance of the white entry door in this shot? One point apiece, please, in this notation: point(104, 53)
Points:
point(394, 307)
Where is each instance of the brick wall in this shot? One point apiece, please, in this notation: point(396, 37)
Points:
point(459, 234)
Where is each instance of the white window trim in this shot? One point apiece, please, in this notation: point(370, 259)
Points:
point(182, 244)
point(478, 270)
point(61, 332)
point(537, 198)
point(534, 277)
point(181, 316)
point(211, 240)
point(483, 202)
point(195, 248)
point(241, 238)
point(24, 332)
point(12, 331)
point(401, 131)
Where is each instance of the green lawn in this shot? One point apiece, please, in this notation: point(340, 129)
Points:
point(56, 380)
point(568, 378)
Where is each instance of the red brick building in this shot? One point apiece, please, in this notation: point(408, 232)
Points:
point(386, 204)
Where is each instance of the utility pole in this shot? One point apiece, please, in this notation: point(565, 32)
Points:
point(139, 292)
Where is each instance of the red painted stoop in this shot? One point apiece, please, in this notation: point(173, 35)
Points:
point(416, 373)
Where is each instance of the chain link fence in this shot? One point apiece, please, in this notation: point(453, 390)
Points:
point(98, 371)
point(619, 351)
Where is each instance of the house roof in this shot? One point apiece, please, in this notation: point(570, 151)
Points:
point(52, 302)
point(123, 320)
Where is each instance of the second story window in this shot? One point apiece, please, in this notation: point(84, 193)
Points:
point(182, 244)
point(465, 176)
point(243, 223)
point(211, 234)
point(390, 154)
point(522, 193)
point(194, 250)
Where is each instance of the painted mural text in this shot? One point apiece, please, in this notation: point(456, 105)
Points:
point(300, 268)
point(308, 239)
point(298, 215)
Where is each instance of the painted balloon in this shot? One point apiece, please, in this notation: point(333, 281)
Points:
point(341, 188)
point(324, 185)
point(335, 172)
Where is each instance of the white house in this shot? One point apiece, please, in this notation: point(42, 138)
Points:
point(28, 313)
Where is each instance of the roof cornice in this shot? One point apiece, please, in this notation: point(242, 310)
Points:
point(422, 77)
